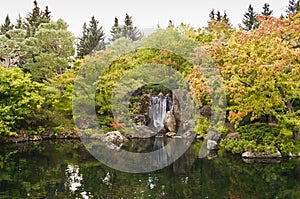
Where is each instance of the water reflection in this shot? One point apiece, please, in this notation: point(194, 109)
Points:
point(64, 169)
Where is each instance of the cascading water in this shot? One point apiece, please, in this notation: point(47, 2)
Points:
point(159, 107)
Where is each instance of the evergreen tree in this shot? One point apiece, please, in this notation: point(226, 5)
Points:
point(116, 31)
point(249, 20)
point(6, 26)
point(212, 15)
point(92, 38)
point(129, 31)
point(19, 22)
point(225, 18)
point(266, 10)
point(293, 7)
point(218, 16)
point(35, 18)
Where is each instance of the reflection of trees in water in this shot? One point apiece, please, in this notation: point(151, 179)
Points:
point(40, 171)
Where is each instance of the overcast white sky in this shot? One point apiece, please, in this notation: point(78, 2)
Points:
point(145, 13)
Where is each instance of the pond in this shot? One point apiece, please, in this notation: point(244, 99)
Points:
point(65, 169)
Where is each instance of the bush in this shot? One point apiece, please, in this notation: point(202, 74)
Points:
point(258, 138)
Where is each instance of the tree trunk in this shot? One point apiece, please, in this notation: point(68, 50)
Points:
point(286, 101)
point(296, 133)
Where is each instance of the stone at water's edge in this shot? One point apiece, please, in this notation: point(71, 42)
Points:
point(170, 122)
point(114, 137)
point(176, 110)
point(170, 134)
point(212, 145)
point(266, 155)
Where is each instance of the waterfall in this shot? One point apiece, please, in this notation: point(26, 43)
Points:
point(158, 111)
point(159, 106)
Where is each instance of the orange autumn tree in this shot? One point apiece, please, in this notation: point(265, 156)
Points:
point(261, 71)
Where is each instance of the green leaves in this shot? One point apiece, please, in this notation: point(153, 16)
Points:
point(19, 97)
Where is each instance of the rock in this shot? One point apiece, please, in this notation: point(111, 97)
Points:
point(176, 109)
point(261, 160)
point(265, 155)
point(115, 137)
point(212, 145)
point(143, 132)
point(162, 131)
point(170, 122)
point(35, 138)
point(48, 134)
point(170, 134)
point(205, 111)
point(232, 135)
point(213, 135)
point(199, 137)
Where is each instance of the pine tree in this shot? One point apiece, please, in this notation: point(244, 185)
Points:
point(35, 18)
point(116, 31)
point(19, 23)
point(266, 10)
point(92, 38)
point(293, 7)
point(129, 31)
point(6, 26)
point(212, 15)
point(225, 18)
point(249, 20)
point(218, 16)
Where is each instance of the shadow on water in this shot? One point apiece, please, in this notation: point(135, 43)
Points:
point(64, 169)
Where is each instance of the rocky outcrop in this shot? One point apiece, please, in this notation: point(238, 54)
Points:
point(170, 122)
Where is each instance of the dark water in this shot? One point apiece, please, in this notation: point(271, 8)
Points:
point(64, 169)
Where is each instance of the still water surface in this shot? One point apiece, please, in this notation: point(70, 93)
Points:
point(64, 169)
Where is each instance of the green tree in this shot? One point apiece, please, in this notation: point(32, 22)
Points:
point(6, 26)
point(116, 31)
point(293, 7)
point(19, 98)
point(249, 21)
point(130, 31)
point(35, 18)
point(54, 45)
point(266, 10)
point(217, 16)
point(19, 23)
point(92, 38)
point(212, 14)
point(14, 48)
point(261, 72)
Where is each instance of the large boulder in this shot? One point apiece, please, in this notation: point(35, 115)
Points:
point(170, 122)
